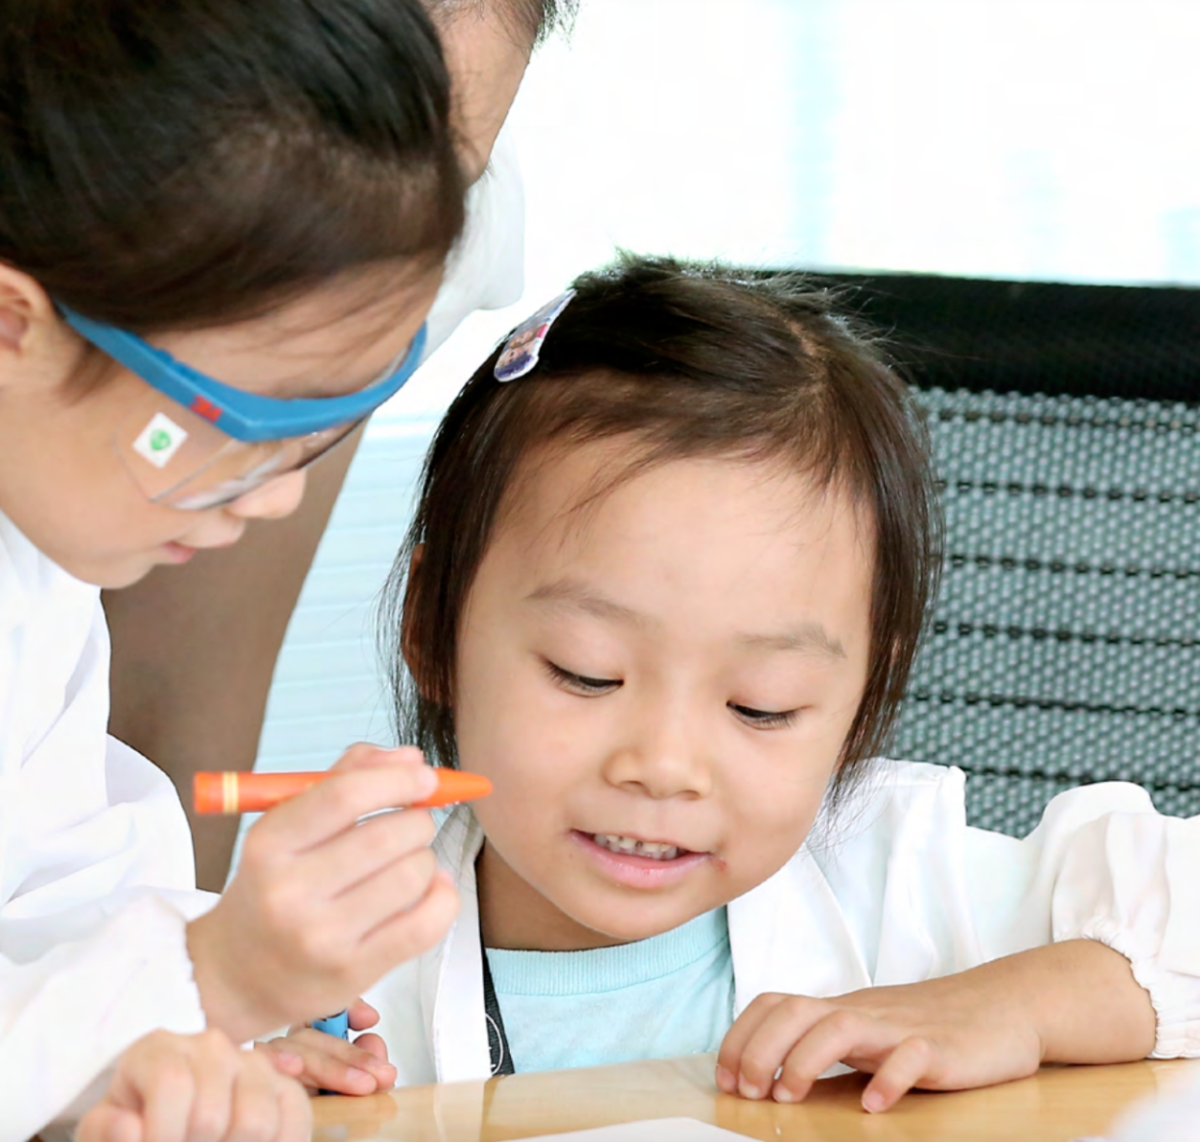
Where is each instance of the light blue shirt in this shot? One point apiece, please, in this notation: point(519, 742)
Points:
point(653, 999)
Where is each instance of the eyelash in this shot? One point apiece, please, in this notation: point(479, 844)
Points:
point(596, 687)
point(591, 687)
point(765, 719)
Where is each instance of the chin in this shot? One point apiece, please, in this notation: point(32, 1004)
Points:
point(114, 576)
point(642, 923)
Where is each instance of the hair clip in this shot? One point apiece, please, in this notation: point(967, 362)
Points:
point(524, 345)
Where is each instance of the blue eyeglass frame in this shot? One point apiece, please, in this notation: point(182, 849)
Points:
point(245, 416)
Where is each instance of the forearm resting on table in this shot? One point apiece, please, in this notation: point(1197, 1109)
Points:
point(194, 649)
point(1082, 998)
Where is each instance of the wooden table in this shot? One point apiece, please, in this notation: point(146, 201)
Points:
point(1056, 1105)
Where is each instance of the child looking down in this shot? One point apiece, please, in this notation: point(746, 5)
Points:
point(665, 591)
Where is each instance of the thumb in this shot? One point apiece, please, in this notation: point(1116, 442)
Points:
point(362, 1015)
point(365, 756)
point(108, 1123)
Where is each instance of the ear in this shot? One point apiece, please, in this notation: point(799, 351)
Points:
point(408, 633)
point(28, 323)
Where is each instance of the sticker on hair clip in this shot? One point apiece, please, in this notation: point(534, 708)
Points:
point(522, 349)
point(160, 440)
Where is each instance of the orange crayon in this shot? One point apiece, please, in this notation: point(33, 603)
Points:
point(257, 792)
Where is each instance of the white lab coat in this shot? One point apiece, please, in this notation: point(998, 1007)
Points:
point(901, 890)
point(96, 869)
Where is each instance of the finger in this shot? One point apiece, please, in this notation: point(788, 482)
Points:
point(357, 854)
point(362, 1015)
point(256, 1109)
point(410, 934)
point(373, 1045)
point(388, 893)
point(352, 1054)
point(365, 755)
point(295, 1114)
point(168, 1095)
point(335, 804)
point(779, 1026)
point(284, 1061)
point(911, 1061)
point(108, 1123)
point(729, 1057)
point(333, 1064)
point(830, 1040)
point(214, 1071)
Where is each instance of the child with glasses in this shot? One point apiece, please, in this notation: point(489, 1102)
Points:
point(664, 588)
point(222, 227)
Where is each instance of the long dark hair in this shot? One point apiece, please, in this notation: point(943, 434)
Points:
point(181, 164)
point(692, 361)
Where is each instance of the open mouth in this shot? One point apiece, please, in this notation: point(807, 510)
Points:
point(631, 846)
point(638, 864)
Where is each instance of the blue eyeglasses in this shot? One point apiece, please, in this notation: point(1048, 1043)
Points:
point(193, 442)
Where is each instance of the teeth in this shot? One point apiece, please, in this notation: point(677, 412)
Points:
point(655, 850)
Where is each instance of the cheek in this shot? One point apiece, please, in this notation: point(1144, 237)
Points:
point(100, 528)
point(770, 817)
point(510, 728)
point(501, 726)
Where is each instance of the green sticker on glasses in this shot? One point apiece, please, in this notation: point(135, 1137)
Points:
point(159, 440)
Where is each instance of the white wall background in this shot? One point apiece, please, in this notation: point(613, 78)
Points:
point(1055, 139)
point(1013, 138)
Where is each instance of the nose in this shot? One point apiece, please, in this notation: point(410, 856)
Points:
point(275, 499)
point(663, 756)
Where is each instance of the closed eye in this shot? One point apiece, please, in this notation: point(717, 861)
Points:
point(580, 683)
point(765, 719)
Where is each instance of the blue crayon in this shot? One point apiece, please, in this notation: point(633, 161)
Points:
point(336, 1025)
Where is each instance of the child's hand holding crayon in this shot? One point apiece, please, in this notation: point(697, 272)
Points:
point(323, 906)
point(172, 1087)
point(336, 1065)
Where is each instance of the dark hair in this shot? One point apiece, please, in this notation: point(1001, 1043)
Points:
point(538, 18)
point(168, 165)
point(697, 361)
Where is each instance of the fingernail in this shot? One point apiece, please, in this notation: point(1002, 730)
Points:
point(872, 1102)
point(725, 1080)
point(782, 1094)
point(748, 1090)
point(428, 778)
point(354, 1075)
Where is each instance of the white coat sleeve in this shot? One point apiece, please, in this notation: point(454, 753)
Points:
point(96, 873)
point(1102, 865)
point(93, 955)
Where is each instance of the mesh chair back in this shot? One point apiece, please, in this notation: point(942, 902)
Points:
point(1066, 641)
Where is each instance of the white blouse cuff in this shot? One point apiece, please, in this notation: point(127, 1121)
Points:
point(1175, 996)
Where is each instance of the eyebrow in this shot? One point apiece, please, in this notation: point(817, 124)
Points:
point(804, 638)
point(565, 592)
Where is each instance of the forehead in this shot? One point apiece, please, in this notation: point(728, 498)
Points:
point(752, 544)
point(331, 341)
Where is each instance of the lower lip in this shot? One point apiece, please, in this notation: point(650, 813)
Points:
point(638, 871)
point(177, 553)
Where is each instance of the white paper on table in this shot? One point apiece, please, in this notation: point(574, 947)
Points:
point(651, 1130)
